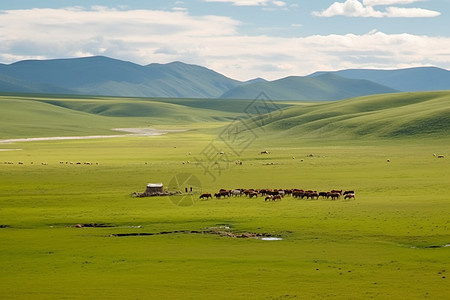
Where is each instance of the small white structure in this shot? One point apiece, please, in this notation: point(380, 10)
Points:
point(154, 188)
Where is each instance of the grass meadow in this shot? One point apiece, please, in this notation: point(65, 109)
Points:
point(392, 241)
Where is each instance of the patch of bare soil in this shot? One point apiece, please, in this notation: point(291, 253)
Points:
point(91, 225)
point(211, 231)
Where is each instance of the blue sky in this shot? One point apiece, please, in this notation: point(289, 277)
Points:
point(241, 39)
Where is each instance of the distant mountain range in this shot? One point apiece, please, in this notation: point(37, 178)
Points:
point(323, 87)
point(405, 80)
point(105, 76)
point(111, 77)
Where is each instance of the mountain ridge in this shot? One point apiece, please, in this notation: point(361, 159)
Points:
point(326, 86)
point(105, 76)
point(406, 80)
point(100, 75)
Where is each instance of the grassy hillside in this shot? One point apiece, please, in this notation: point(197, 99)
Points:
point(399, 115)
point(389, 116)
point(26, 118)
point(26, 115)
point(42, 116)
point(154, 107)
point(324, 87)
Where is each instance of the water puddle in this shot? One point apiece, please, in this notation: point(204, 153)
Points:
point(223, 231)
point(430, 247)
point(271, 239)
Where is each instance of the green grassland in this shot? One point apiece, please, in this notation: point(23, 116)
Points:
point(390, 242)
point(402, 115)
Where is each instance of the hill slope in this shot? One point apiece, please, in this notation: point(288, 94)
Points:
point(323, 87)
point(407, 80)
point(388, 116)
point(26, 115)
point(401, 115)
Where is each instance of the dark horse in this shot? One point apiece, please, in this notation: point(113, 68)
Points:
point(349, 196)
point(273, 198)
point(253, 194)
point(203, 196)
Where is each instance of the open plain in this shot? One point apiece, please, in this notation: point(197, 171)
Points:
point(70, 229)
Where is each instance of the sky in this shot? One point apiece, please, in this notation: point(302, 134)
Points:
point(242, 39)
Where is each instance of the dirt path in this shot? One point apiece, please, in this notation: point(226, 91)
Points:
point(130, 131)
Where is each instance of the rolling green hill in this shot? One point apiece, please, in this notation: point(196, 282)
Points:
point(401, 115)
point(324, 87)
point(43, 116)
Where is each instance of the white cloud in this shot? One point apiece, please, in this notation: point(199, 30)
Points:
point(178, 8)
point(145, 36)
point(354, 8)
point(399, 12)
point(350, 8)
point(279, 3)
point(101, 21)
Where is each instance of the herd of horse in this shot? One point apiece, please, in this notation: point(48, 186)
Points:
point(278, 194)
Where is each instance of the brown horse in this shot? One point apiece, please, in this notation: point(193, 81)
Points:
point(312, 195)
point(206, 195)
point(276, 197)
point(336, 191)
point(248, 192)
point(273, 198)
point(297, 194)
point(253, 194)
point(223, 193)
point(349, 196)
point(333, 196)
